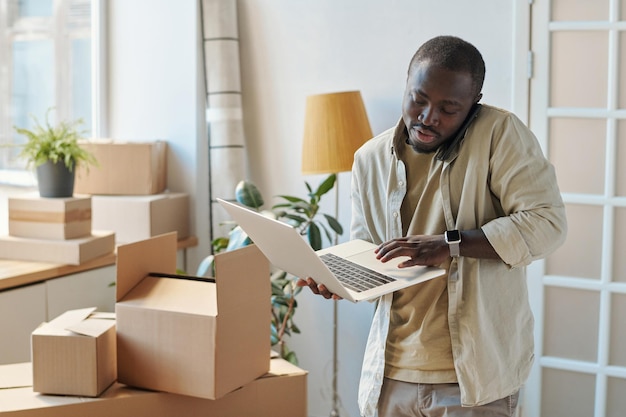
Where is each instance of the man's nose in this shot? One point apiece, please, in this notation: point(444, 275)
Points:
point(429, 116)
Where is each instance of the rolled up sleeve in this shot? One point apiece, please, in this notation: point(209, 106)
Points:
point(524, 182)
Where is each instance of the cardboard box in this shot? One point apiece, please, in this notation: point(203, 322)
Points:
point(189, 337)
point(135, 218)
point(279, 393)
point(70, 251)
point(126, 168)
point(49, 218)
point(17, 399)
point(74, 354)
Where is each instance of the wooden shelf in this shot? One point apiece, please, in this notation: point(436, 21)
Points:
point(18, 273)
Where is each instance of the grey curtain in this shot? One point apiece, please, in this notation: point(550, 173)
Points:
point(226, 142)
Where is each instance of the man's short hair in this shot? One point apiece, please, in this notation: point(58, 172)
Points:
point(453, 54)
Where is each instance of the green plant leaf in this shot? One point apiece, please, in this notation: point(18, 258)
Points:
point(277, 288)
point(237, 239)
point(280, 301)
point(326, 186)
point(334, 224)
point(58, 143)
point(292, 199)
point(291, 357)
point(315, 238)
point(298, 220)
point(219, 244)
point(248, 194)
point(329, 236)
point(206, 267)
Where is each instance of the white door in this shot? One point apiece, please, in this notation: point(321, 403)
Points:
point(578, 111)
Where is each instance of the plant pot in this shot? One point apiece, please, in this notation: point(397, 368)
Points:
point(55, 180)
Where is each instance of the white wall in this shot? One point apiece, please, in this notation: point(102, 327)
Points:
point(290, 49)
point(155, 91)
point(294, 48)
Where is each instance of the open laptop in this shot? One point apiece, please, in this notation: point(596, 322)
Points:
point(363, 278)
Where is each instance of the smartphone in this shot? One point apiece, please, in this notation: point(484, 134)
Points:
point(449, 147)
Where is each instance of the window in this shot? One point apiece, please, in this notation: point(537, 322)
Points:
point(45, 61)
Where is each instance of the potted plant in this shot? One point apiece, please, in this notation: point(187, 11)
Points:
point(305, 216)
point(54, 151)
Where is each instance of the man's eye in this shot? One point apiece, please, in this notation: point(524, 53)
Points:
point(448, 111)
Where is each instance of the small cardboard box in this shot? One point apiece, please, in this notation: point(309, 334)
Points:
point(70, 251)
point(126, 168)
point(49, 218)
point(191, 337)
point(74, 354)
point(134, 218)
point(279, 393)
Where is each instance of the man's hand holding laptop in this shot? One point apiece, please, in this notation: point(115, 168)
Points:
point(421, 250)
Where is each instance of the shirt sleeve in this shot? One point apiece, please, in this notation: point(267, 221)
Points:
point(524, 182)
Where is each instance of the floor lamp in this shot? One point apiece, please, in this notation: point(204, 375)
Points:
point(335, 126)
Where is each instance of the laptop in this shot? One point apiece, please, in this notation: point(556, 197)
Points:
point(349, 269)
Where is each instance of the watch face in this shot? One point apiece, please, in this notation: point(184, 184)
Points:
point(453, 236)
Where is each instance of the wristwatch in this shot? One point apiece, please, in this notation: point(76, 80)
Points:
point(453, 239)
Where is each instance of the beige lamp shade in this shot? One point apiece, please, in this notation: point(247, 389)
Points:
point(335, 126)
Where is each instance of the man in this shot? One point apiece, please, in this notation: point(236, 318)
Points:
point(464, 186)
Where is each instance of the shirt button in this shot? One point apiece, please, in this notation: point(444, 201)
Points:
point(395, 214)
point(401, 183)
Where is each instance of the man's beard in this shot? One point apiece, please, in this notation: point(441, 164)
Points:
point(421, 150)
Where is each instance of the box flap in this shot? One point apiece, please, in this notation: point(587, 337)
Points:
point(102, 315)
point(280, 367)
point(16, 375)
point(241, 285)
point(71, 317)
point(91, 327)
point(136, 260)
point(174, 295)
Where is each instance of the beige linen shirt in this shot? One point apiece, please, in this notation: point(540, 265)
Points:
point(499, 180)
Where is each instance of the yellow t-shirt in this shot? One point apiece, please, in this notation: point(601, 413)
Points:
point(418, 344)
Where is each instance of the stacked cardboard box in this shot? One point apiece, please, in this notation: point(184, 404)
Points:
point(57, 230)
point(135, 218)
point(129, 191)
point(49, 218)
point(279, 393)
point(124, 168)
point(189, 346)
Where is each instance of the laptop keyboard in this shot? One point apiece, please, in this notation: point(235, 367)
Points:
point(353, 276)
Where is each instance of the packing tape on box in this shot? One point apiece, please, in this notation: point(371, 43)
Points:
point(50, 217)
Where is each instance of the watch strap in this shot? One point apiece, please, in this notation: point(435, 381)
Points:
point(453, 239)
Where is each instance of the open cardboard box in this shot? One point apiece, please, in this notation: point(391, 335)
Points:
point(191, 337)
point(74, 354)
point(282, 392)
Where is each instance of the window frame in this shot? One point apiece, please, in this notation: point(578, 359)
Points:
point(29, 28)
